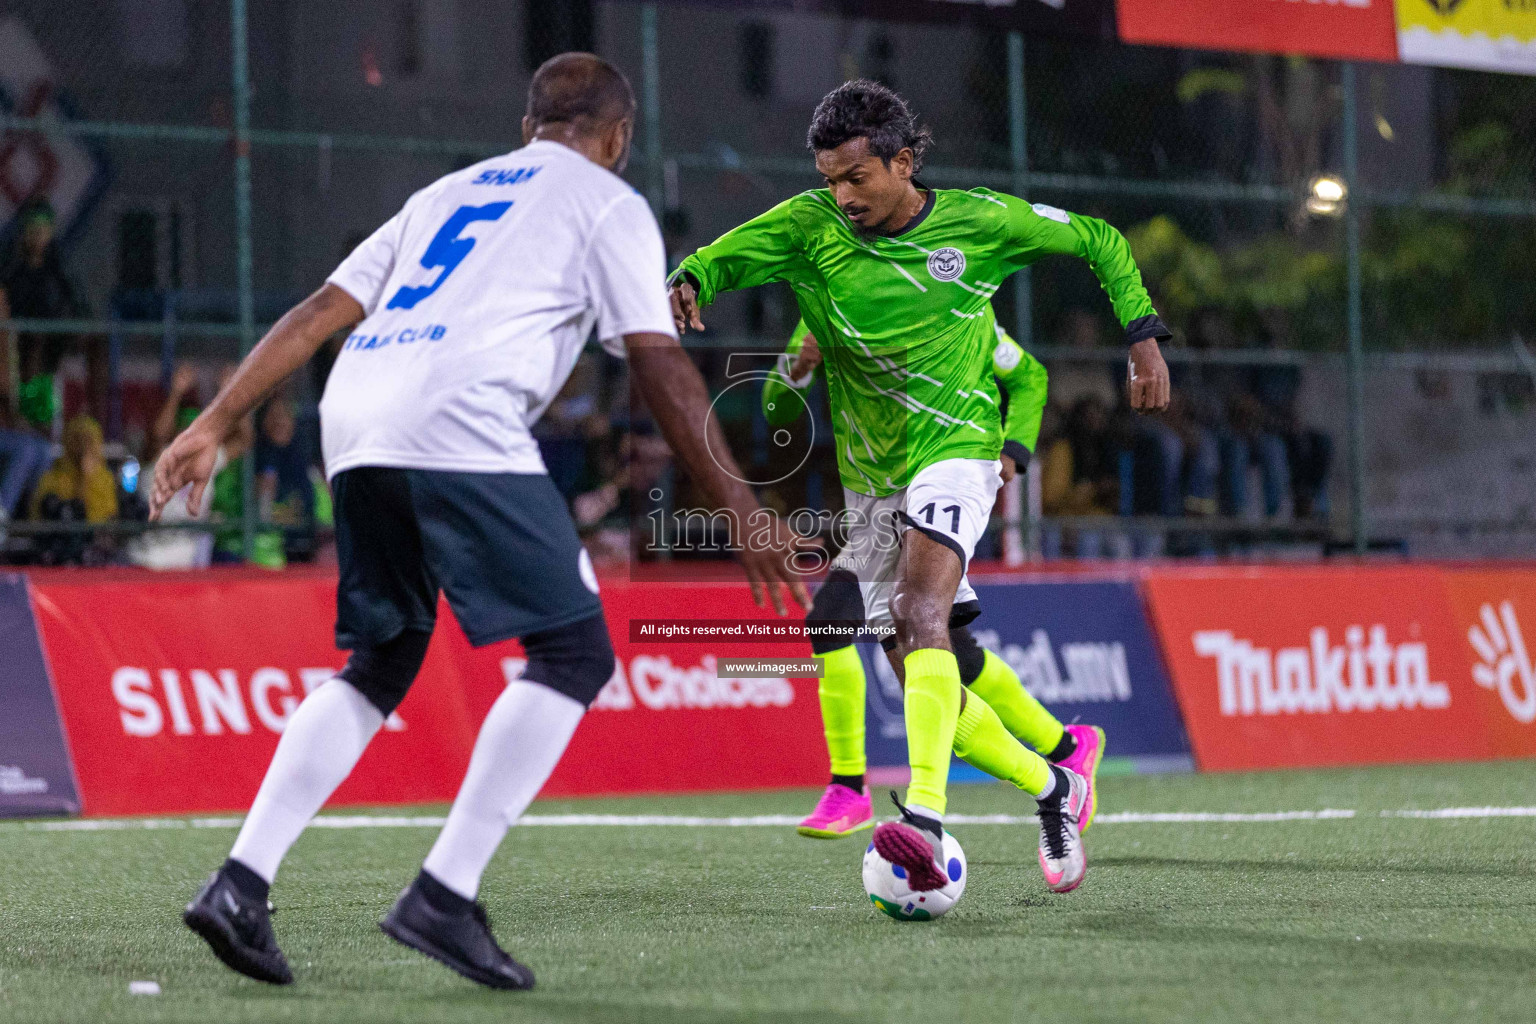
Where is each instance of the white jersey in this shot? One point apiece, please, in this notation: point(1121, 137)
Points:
point(480, 294)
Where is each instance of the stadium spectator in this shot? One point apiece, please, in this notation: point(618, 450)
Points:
point(1157, 450)
point(77, 488)
point(604, 514)
point(24, 457)
point(1308, 451)
point(290, 487)
point(228, 507)
point(80, 476)
point(177, 411)
point(184, 548)
point(283, 461)
point(1071, 379)
point(1072, 458)
point(1078, 470)
point(618, 515)
point(36, 287)
point(1226, 428)
point(571, 427)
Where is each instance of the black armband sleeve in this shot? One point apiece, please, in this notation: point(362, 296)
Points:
point(1016, 451)
point(1144, 327)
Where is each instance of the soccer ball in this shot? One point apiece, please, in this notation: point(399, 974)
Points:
point(887, 885)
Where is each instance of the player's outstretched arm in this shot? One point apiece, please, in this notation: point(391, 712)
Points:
point(675, 393)
point(1025, 380)
point(286, 347)
point(796, 371)
point(1040, 230)
point(765, 248)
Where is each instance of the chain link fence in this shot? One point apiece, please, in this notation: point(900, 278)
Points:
point(138, 123)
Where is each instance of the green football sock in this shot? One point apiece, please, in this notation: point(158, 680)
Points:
point(841, 690)
point(932, 706)
point(1018, 710)
point(982, 742)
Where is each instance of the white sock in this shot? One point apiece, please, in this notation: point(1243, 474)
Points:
point(1050, 786)
point(518, 746)
point(320, 745)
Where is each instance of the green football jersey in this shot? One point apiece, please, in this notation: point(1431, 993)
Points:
point(1023, 378)
point(905, 321)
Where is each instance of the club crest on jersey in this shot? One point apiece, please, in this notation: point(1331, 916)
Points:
point(946, 264)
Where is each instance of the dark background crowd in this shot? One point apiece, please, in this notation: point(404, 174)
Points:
point(1206, 160)
point(1233, 446)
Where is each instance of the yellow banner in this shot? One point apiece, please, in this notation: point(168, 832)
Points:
point(1491, 35)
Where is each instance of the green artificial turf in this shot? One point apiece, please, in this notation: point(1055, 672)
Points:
point(1370, 918)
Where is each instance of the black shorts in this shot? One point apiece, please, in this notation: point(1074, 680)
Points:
point(500, 545)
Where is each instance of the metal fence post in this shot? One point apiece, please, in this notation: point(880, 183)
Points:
point(1018, 139)
point(1026, 530)
point(241, 74)
point(650, 101)
point(1357, 522)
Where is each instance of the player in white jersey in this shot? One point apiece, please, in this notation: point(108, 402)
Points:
point(466, 311)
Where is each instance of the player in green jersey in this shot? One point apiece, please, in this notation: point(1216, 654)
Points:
point(895, 281)
point(844, 808)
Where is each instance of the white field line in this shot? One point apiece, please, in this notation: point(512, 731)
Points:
point(1466, 812)
point(773, 820)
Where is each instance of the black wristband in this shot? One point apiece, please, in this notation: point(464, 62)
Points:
point(1016, 451)
point(1144, 327)
point(683, 275)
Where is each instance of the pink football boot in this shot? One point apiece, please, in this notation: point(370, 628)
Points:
point(840, 812)
point(916, 845)
point(1085, 762)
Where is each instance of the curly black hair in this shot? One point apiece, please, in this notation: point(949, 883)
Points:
point(865, 109)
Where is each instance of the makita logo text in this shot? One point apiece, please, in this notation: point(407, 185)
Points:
point(653, 682)
point(1368, 673)
point(1089, 670)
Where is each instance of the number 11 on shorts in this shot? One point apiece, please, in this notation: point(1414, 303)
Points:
point(954, 515)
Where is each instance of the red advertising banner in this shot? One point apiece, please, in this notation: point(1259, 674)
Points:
point(665, 722)
point(174, 690)
point(1495, 619)
point(1283, 667)
point(1345, 29)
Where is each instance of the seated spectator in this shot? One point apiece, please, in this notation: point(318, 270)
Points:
point(1078, 470)
point(185, 549)
point(1071, 483)
point(1308, 451)
point(79, 475)
point(1225, 428)
point(290, 488)
point(1250, 440)
point(1072, 379)
point(283, 481)
point(77, 488)
point(226, 497)
point(24, 457)
point(569, 429)
point(617, 517)
point(177, 411)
